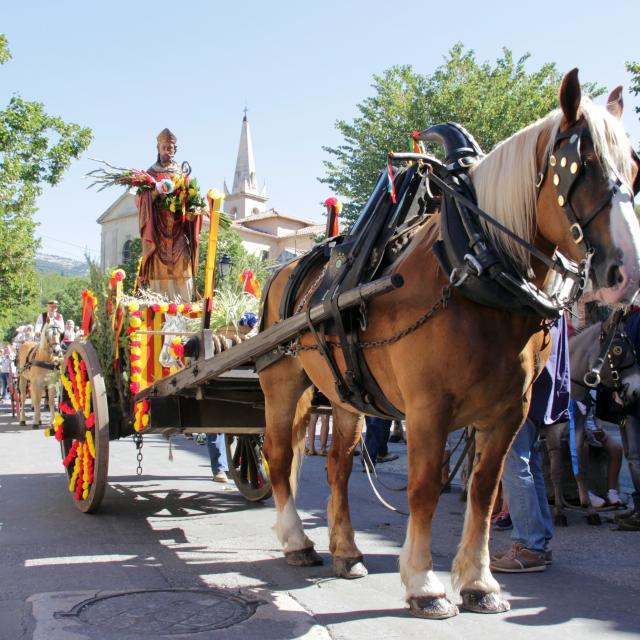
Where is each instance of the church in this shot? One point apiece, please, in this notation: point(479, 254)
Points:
point(265, 232)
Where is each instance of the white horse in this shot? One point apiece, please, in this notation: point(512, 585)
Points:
point(38, 365)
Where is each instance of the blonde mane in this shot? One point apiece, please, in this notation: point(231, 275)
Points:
point(505, 179)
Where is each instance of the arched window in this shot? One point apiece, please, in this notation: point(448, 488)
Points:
point(255, 211)
point(234, 212)
point(126, 251)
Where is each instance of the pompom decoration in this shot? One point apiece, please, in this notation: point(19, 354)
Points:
point(165, 187)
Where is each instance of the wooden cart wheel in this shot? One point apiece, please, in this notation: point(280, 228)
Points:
point(82, 426)
point(248, 467)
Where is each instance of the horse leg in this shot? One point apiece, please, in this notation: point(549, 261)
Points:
point(426, 437)
point(22, 384)
point(553, 440)
point(347, 559)
point(287, 406)
point(470, 573)
point(52, 402)
point(582, 450)
point(36, 401)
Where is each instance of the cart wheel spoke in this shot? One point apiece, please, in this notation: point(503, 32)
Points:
point(248, 466)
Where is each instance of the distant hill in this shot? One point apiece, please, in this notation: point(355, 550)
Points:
point(63, 266)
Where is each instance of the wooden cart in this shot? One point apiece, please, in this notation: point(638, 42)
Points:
point(211, 393)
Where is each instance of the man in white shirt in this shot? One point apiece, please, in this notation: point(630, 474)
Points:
point(50, 316)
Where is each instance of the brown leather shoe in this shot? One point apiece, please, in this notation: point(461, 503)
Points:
point(519, 559)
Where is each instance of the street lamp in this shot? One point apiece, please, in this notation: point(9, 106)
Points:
point(225, 265)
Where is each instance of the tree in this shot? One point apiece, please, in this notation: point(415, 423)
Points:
point(230, 242)
point(492, 102)
point(634, 69)
point(35, 149)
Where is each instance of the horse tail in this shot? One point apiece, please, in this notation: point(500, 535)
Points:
point(300, 421)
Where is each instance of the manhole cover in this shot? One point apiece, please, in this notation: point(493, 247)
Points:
point(162, 612)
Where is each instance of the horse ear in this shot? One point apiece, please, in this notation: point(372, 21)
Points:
point(570, 95)
point(615, 103)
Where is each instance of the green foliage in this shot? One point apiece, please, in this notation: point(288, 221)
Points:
point(229, 242)
point(5, 54)
point(491, 101)
point(67, 290)
point(634, 69)
point(131, 265)
point(35, 149)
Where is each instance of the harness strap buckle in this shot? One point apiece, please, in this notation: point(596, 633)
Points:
point(576, 232)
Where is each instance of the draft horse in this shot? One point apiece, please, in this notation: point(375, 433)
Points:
point(37, 364)
point(467, 364)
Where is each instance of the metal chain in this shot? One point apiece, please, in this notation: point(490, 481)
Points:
point(295, 347)
point(137, 439)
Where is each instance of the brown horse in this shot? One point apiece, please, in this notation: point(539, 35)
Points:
point(468, 364)
point(37, 365)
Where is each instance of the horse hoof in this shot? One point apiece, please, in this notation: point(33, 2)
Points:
point(435, 608)
point(303, 558)
point(481, 602)
point(560, 520)
point(350, 568)
point(23, 423)
point(594, 519)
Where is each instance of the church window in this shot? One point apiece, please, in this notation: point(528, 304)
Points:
point(126, 251)
point(255, 211)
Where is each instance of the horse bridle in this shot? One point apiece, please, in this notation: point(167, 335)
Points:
point(613, 354)
point(568, 166)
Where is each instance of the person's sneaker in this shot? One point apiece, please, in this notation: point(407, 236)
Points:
point(614, 499)
point(221, 476)
point(596, 501)
point(201, 439)
point(388, 458)
point(518, 560)
point(632, 523)
point(623, 515)
point(504, 523)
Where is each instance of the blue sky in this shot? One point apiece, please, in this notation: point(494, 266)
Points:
point(129, 69)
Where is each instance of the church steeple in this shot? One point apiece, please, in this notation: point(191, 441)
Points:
point(245, 199)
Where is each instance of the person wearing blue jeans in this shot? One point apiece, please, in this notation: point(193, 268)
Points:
point(218, 456)
point(522, 478)
point(376, 439)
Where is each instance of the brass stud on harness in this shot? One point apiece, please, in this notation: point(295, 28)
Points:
point(552, 161)
point(556, 179)
point(563, 162)
point(574, 167)
point(561, 201)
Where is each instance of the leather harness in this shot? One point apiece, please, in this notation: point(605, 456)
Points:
point(467, 256)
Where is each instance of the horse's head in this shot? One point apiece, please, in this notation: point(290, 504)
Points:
point(585, 191)
point(50, 338)
point(604, 355)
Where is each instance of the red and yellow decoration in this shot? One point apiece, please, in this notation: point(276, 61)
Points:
point(250, 283)
point(77, 403)
point(89, 303)
point(145, 347)
point(141, 416)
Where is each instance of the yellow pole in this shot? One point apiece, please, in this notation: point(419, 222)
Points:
point(215, 199)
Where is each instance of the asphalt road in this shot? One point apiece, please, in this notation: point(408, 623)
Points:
point(172, 554)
